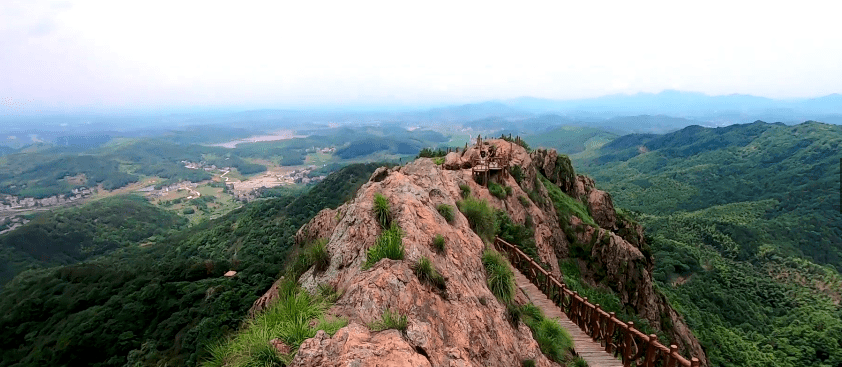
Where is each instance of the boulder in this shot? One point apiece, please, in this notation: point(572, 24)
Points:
point(453, 161)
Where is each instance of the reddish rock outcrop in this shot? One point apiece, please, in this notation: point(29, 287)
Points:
point(451, 328)
point(280, 346)
point(266, 299)
point(453, 160)
point(355, 345)
point(466, 325)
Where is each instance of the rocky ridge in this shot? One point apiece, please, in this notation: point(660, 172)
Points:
point(465, 325)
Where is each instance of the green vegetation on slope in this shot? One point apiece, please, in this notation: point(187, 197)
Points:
point(481, 217)
point(165, 303)
point(501, 279)
point(566, 206)
point(388, 245)
point(67, 236)
point(555, 342)
point(742, 224)
point(288, 319)
point(571, 139)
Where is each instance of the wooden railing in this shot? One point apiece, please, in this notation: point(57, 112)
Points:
point(619, 338)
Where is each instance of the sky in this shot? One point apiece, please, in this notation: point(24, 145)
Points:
point(151, 54)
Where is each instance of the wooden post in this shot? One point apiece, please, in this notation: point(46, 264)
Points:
point(694, 362)
point(627, 345)
point(650, 351)
point(595, 326)
point(547, 284)
point(585, 314)
point(671, 360)
point(609, 333)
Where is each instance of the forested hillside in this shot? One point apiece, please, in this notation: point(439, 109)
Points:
point(166, 302)
point(746, 233)
point(44, 170)
point(571, 139)
point(72, 235)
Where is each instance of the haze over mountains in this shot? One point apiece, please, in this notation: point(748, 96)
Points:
point(666, 111)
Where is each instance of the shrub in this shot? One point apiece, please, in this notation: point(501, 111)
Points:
point(566, 205)
point(298, 266)
point(553, 340)
point(579, 362)
point(501, 279)
point(429, 153)
point(389, 244)
point(497, 190)
point(438, 243)
point(528, 363)
point(389, 320)
point(465, 189)
point(508, 190)
point(426, 273)
point(438, 161)
point(188, 210)
point(517, 173)
point(514, 313)
point(446, 211)
point(382, 210)
point(481, 217)
point(519, 235)
point(318, 255)
point(288, 319)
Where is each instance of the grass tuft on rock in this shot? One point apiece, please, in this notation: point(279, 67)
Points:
point(465, 190)
point(438, 243)
point(427, 273)
point(389, 320)
point(382, 210)
point(318, 255)
point(555, 342)
point(524, 201)
point(481, 216)
point(501, 279)
point(388, 245)
point(446, 211)
point(497, 190)
point(294, 317)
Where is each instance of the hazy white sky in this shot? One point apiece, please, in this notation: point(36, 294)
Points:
point(151, 53)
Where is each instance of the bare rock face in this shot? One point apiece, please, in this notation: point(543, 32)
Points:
point(355, 345)
point(602, 209)
point(323, 223)
point(624, 267)
point(266, 299)
point(379, 174)
point(557, 168)
point(453, 161)
point(280, 346)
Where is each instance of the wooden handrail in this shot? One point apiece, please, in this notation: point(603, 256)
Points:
point(618, 337)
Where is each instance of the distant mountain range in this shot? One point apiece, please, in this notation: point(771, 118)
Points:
point(683, 104)
point(642, 112)
point(668, 110)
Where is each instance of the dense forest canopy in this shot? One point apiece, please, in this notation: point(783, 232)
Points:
point(162, 303)
point(746, 237)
